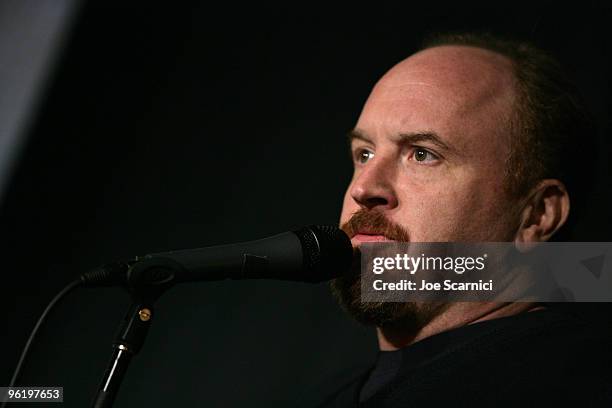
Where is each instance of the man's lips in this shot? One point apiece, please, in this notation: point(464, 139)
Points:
point(359, 238)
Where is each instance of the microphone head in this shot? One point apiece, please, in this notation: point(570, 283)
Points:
point(326, 250)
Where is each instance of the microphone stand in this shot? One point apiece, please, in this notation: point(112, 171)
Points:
point(147, 280)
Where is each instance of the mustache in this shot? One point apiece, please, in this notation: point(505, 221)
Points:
point(375, 222)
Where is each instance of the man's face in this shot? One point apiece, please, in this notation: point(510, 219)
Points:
point(430, 150)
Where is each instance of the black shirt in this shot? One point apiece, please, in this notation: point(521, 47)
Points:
point(539, 358)
point(388, 364)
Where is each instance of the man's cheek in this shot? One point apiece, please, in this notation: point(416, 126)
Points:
point(434, 219)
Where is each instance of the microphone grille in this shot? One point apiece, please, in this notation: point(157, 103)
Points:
point(327, 251)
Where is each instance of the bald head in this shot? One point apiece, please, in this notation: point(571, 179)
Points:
point(468, 75)
point(457, 87)
point(465, 95)
point(454, 64)
point(436, 129)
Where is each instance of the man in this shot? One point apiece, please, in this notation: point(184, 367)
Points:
point(466, 141)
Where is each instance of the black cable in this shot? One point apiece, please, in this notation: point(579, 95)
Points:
point(41, 319)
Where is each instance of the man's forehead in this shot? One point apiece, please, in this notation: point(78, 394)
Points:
point(448, 89)
point(459, 68)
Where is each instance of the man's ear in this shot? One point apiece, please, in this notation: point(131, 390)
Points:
point(544, 212)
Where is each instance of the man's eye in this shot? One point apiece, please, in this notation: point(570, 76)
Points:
point(362, 156)
point(423, 155)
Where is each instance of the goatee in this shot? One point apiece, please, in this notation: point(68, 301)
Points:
point(411, 316)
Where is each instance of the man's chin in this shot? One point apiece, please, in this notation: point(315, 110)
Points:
point(384, 314)
point(411, 316)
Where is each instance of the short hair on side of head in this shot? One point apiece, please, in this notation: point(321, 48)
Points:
point(552, 133)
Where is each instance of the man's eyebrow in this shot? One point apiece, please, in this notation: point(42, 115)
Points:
point(405, 138)
point(417, 137)
point(359, 135)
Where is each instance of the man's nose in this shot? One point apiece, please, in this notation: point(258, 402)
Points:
point(373, 186)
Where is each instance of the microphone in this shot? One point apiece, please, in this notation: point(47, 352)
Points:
point(311, 254)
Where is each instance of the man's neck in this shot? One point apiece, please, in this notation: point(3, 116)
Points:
point(458, 315)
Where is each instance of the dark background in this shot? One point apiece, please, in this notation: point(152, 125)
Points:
point(179, 127)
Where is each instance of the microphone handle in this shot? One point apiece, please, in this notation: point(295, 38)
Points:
point(267, 258)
